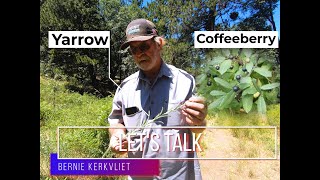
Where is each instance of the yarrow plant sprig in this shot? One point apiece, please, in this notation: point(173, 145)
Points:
point(148, 123)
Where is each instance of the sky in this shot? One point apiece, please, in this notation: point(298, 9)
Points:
point(277, 18)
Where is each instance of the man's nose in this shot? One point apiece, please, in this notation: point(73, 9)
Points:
point(139, 53)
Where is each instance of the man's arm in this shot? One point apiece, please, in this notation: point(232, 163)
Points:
point(117, 129)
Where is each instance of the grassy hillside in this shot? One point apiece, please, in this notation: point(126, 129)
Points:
point(60, 107)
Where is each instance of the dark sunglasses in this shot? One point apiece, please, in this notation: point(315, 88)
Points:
point(142, 48)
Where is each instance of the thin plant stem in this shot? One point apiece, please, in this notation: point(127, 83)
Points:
point(147, 123)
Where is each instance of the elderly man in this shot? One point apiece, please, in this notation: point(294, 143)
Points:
point(156, 87)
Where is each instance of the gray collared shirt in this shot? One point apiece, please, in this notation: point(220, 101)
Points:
point(171, 87)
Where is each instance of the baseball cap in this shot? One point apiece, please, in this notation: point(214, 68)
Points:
point(139, 30)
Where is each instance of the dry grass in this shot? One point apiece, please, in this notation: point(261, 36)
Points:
point(222, 143)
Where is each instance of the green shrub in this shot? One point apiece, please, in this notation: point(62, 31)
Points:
point(60, 107)
point(240, 79)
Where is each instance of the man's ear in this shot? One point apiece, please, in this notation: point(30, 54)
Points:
point(160, 42)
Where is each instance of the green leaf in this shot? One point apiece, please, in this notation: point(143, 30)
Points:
point(267, 65)
point(244, 85)
point(261, 105)
point(227, 99)
point(235, 105)
point(254, 57)
point(239, 72)
point(217, 93)
point(215, 104)
point(250, 90)
point(246, 80)
point(226, 52)
point(200, 78)
point(254, 82)
point(247, 102)
point(234, 51)
point(216, 60)
point(249, 66)
point(267, 57)
point(270, 86)
point(247, 52)
point(262, 59)
point(223, 83)
point(263, 71)
point(225, 65)
point(227, 75)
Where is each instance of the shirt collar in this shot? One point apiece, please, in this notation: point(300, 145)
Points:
point(164, 71)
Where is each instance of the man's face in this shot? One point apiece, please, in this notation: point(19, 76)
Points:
point(146, 54)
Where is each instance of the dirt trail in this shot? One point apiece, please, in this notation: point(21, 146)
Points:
point(221, 144)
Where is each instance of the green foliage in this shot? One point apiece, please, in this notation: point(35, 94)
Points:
point(86, 67)
point(261, 15)
point(175, 20)
point(237, 79)
point(82, 143)
point(60, 107)
point(273, 114)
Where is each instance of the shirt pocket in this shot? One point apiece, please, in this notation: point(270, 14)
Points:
point(175, 118)
point(134, 120)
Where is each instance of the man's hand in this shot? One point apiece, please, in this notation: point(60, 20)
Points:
point(115, 142)
point(195, 112)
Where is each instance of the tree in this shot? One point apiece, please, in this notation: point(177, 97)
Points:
point(85, 69)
